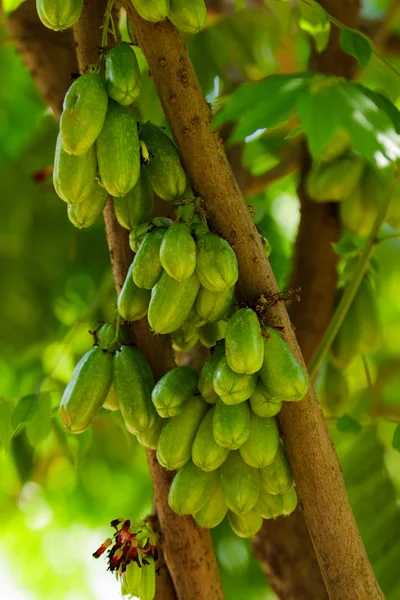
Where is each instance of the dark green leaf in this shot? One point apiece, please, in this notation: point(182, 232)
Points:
point(396, 438)
point(384, 104)
point(356, 44)
point(313, 19)
point(24, 411)
point(22, 453)
point(348, 244)
point(39, 427)
point(347, 424)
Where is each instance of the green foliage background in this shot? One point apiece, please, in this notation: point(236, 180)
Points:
point(59, 492)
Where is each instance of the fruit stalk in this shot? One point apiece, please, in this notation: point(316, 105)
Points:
point(309, 447)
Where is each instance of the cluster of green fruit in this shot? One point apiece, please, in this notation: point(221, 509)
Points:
point(343, 177)
point(189, 16)
point(194, 269)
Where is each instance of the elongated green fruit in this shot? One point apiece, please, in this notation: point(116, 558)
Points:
point(359, 210)
point(136, 207)
point(214, 306)
point(74, 176)
point(282, 375)
point(59, 14)
point(277, 477)
point(232, 387)
point(122, 74)
point(217, 265)
point(133, 577)
point(147, 584)
point(137, 234)
point(240, 484)
point(178, 252)
point(152, 10)
point(231, 424)
point(215, 509)
point(211, 333)
point(269, 506)
point(289, 501)
point(173, 391)
point(206, 453)
point(133, 301)
point(174, 448)
point(244, 342)
point(260, 448)
point(262, 403)
point(185, 337)
point(171, 302)
point(111, 402)
point(335, 180)
point(334, 390)
point(366, 306)
point(147, 267)
point(85, 108)
point(348, 341)
point(118, 153)
point(189, 16)
point(205, 383)
point(86, 212)
point(106, 338)
point(133, 381)
point(162, 163)
point(86, 392)
point(150, 437)
point(190, 489)
point(247, 525)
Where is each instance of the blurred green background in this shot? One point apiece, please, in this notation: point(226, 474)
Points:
point(58, 492)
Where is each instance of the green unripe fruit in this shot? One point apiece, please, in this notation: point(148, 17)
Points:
point(86, 212)
point(217, 266)
point(173, 391)
point(190, 489)
point(150, 437)
point(289, 501)
point(106, 338)
point(231, 424)
point(133, 302)
point(211, 333)
point(205, 383)
point(178, 252)
point(277, 477)
point(262, 403)
point(334, 391)
point(122, 74)
point(85, 108)
point(111, 402)
point(152, 10)
point(162, 163)
point(240, 484)
point(137, 235)
point(335, 180)
point(247, 525)
point(59, 14)
point(214, 306)
point(232, 387)
point(147, 584)
point(132, 579)
point(147, 266)
point(359, 209)
point(189, 16)
point(137, 206)
point(74, 177)
point(206, 453)
point(185, 337)
point(215, 509)
point(118, 153)
point(260, 448)
point(87, 391)
point(171, 302)
point(244, 343)
point(269, 506)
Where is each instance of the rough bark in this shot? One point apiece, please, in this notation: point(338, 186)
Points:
point(341, 554)
point(187, 549)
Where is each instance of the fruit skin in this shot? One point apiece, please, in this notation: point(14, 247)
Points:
point(85, 108)
point(173, 391)
point(152, 10)
point(147, 584)
point(240, 484)
point(171, 302)
point(118, 153)
point(178, 252)
point(123, 81)
point(59, 14)
point(289, 501)
point(133, 301)
point(281, 374)
point(185, 337)
point(211, 333)
point(367, 308)
point(270, 506)
point(231, 424)
point(74, 176)
point(244, 342)
point(174, 448)
point(106, 338)
point(262, 403)
point(150, 437)
point(133, 381)
point(247, 525)
point(260, 448)
point(86, 392)
point(232, 387)
point(162, 163)
point(215, 509)
point(334, 390)
point(147, 267)
point(189, 16)
point(359, 209)
point(206, 453)
point(217, 265)
point(214, 306)
point(190, 489)
point(334, 180)
point(205, 383)
point(86, 212)
point(132, 579)
point(137, 206)
point(111, 402)
point(277, 477)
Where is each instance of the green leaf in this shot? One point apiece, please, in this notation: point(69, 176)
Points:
point(347, 244)
point(383, 103)
point(5, 423)
point(39, 427)
point(24, 411)
point(356, 44)
point(10, 5)
point(396, 438)
point(314, 20)
point(22, 453)
point(348, 424)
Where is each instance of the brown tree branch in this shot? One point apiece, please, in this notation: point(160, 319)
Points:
point(341, 554)
point(187, 549)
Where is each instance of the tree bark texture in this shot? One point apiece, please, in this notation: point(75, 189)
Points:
point(341, 554)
